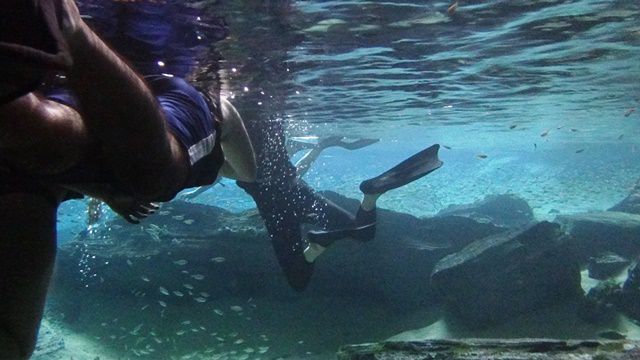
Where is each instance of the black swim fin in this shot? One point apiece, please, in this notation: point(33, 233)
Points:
point(328, 237)
point(407, 171)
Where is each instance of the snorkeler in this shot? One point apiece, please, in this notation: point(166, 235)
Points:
point(286, 202)
point(107, 132)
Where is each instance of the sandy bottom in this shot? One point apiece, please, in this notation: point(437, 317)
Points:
point(305, 328)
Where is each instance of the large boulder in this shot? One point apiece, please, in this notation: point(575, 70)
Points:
point(477, 349)
point(630, 204)
point(511, 273)
point(606, 266)
point(594, 233)
point(506, 210)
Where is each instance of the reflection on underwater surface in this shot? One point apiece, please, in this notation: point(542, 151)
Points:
point(535, 99)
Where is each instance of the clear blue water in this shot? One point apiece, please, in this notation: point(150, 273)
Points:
point(545, 89)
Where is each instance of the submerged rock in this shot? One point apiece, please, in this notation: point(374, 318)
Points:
point(506, 210)
point(605, 231)
point(503, 275)
point(630, 204)
point(498, 349)
point(600, 304)
point(606, 265)
point(630, 296)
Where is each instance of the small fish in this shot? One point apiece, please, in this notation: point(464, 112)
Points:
point(482, 156)
point(163, 291)
point(129, 262)
point(236, 308)
point(186, 322)
point(180, 332)
point(181, 262)
point(513, 126)
point(198, 276)
point(189, 221)
point(544, 133)
point(218, 259)
point(218, 311)
point(249, 350)
point(204, 294)
point(219, 339)
point(620, 137)
point(263, 349)
point(188, 286)
point(574, 130)
point(200, 299)
point(579, 151)
point(452, 8)
point(446, 147)
point(239, 341)
point(144, 278)
point(178, 217)
point(178, 293)
point(164, 212)
point(162, 303)
point(629, 112)
point(136, 330)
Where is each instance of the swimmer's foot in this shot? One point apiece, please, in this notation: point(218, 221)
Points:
point(299, 143)
point(345, 143)
point(357, 144)
point(407, 171)
point(320, 240)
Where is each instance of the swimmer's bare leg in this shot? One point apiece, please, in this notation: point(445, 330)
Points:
point(122, 113)
point(27, 253)
point(117, 110)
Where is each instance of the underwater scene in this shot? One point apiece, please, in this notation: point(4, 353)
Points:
point(513, 211)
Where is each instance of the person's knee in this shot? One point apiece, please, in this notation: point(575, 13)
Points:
point(240, 158)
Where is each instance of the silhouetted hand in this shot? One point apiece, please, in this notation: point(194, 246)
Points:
point(130, 208)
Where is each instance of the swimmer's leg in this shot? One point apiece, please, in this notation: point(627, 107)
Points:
point(27, 253)
point(339, 224)
point(120, 110)
point(364, 229)
point(283, 222)
point(117, 109)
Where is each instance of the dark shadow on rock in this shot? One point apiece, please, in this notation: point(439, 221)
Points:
point(511, 273)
